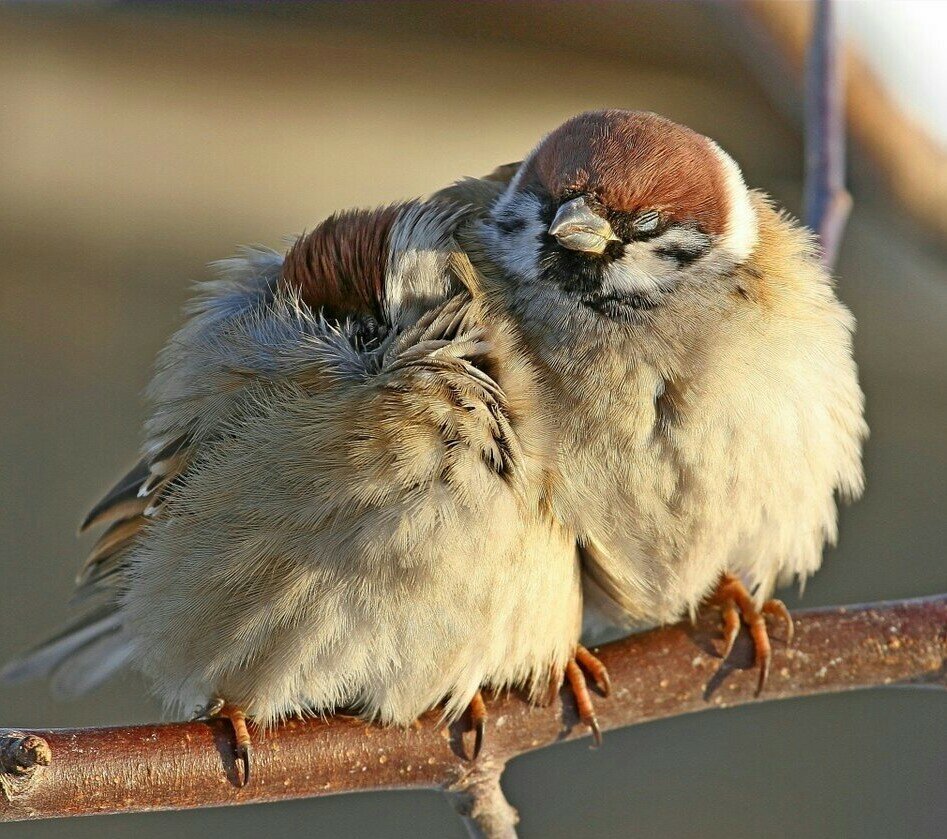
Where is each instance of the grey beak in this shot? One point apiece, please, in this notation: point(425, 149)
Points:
point(579, 229)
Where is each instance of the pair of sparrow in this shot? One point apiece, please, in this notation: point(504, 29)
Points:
point(396, 464)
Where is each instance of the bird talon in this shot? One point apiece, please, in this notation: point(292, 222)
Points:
point(219, 707)
point(731, 627)
point(242, 753)
point(479, 731)
point(208, 711)
point(478, 721)
point(778, 609)
point(598, 671)
point(580, 690)
point(736, 602)
point(592, 723)
point(763, 664)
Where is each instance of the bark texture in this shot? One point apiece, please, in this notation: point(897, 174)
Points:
point(655, 674)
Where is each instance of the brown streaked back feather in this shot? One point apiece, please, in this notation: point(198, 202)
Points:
point(123, 499)
point(339, 268)
point(122, 508)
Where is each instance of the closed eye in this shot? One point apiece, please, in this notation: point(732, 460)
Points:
point(647, 222)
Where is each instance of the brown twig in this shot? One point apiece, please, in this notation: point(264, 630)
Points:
point(827, 202)
point(656, 674)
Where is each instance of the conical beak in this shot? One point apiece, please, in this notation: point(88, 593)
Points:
point(576, 227)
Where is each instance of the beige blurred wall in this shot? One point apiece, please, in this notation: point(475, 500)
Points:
point(123, 124)
point(137, 145)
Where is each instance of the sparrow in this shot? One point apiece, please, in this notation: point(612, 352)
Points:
point(696, 359)
point(343, 498)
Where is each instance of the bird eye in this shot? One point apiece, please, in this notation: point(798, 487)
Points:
point(647, 222)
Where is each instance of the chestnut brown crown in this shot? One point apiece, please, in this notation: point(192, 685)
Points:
point(631, 161)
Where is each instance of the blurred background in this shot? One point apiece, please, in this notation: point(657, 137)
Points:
point(139, 142)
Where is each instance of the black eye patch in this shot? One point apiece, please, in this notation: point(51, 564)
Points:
point(683, 245)
point(547, 206)
point(683, 254)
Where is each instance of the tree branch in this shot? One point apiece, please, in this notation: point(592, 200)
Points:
point(656, 674)
point(827, 202)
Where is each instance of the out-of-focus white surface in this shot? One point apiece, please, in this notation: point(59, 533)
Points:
point(904, 43)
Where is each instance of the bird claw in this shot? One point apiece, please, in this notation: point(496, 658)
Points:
point(208, 711)
point(219, 707)
point(478, 721)
point(242, 754)
point(736, 602)
point(595, 668)
point(480, 729)
point(731, 626)
point(592, 723)
point(580, 689)
point(778, 609)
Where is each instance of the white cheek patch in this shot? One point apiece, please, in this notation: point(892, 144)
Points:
point(637, 271)
point(740, 235)
point(514, 235)
point(657, 264)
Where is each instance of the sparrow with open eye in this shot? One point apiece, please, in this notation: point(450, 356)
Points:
point(343, 499)
point(698, 361)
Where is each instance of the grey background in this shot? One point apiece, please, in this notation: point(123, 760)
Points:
point(137, 144)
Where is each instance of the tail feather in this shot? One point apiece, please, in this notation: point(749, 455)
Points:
point(41, 661)
point(91, 665)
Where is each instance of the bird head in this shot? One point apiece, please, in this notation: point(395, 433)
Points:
point(616, 210)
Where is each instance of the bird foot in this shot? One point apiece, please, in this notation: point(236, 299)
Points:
point(575, 677)
point(735, 602)
point(243, 748)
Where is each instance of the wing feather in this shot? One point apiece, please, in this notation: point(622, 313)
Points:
point(252, 329)
point(123, 491)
